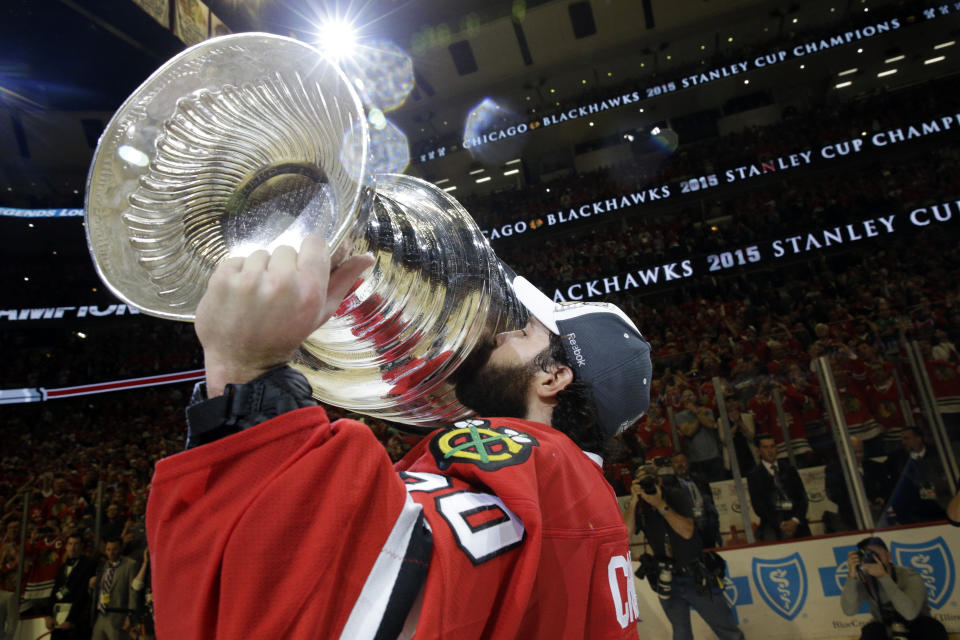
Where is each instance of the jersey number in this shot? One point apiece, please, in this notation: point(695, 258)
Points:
point(483, 526)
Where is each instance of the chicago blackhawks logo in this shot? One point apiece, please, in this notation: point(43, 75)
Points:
point(486, 446)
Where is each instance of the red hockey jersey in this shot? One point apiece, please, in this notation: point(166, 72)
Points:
point(297, 528)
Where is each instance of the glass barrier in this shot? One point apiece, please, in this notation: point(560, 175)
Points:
point(839, 435)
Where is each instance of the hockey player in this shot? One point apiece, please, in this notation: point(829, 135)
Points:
point(277, 524)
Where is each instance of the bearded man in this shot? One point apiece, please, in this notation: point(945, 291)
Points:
point(276, 523)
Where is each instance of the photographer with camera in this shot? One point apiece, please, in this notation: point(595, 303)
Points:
point(896, 595)
point(678, 569)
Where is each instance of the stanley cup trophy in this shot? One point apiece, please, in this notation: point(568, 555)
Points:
point(251, 141)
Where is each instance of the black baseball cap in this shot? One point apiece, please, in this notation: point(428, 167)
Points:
point(605, 349)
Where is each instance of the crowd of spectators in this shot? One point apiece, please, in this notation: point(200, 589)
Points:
point(81, 466)
point(761, 334)
point(760, 331)
point(775, 210)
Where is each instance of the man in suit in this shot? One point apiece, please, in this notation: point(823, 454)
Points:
point(705, 516)
point(921, 488)
point(68, 612)
point(876, 482)
point(112, 589)
point(777, 494)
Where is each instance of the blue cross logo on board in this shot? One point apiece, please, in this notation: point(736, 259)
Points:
point(833, 578)
point(736, 591)
point(782, 584)
point(933, 561)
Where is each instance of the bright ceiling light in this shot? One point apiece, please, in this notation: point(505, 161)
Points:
point(511, 172)
point(476, 171)
point(483, 179)
point(847, 72)
point(888, 72)
point(944, 45)
point(932, 60)
point(337, 38)
point(844, 84)
point(449, 189)
point(894, 59)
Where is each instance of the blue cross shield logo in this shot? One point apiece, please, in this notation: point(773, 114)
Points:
point(736, 591)
point(932, 560)
point(782, 584)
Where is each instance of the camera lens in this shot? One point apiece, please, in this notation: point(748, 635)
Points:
point(649, 485)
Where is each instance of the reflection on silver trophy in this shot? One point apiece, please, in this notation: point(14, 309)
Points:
point(251, 141)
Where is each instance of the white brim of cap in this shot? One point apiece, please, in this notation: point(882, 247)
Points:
point(536, 302)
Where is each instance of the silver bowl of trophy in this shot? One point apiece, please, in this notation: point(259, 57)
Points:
point(251, 141)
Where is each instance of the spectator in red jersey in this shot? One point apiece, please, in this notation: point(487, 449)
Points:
point(9, 589)
point(889, 408)
point(857, 414)
point(43, 556)
point(944, 378)
point(655, 433)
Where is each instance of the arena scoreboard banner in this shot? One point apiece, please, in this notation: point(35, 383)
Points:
point(760, 254)
point(732, 69)
point(792, 589)
point(648, 277)
point(837, 149)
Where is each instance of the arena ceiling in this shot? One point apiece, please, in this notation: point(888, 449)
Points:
point(528, 55)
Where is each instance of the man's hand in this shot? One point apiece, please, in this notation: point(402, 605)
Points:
point(257, 310)
point(49, 622)
point(66, 624)
point(788, 527)
point(655, 500)
point(853, 561)
point(875, 568)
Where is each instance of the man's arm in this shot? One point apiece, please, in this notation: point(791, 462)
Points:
point(761, 496)
point(953, 510)
point(58, 581)
point(81, 602)
point(853, 594)
point(295, 509)
point(799, 497)
point(630, 517)
point(680, 523)
point(907, 594)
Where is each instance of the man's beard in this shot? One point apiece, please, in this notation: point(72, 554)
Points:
point(494, 390)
